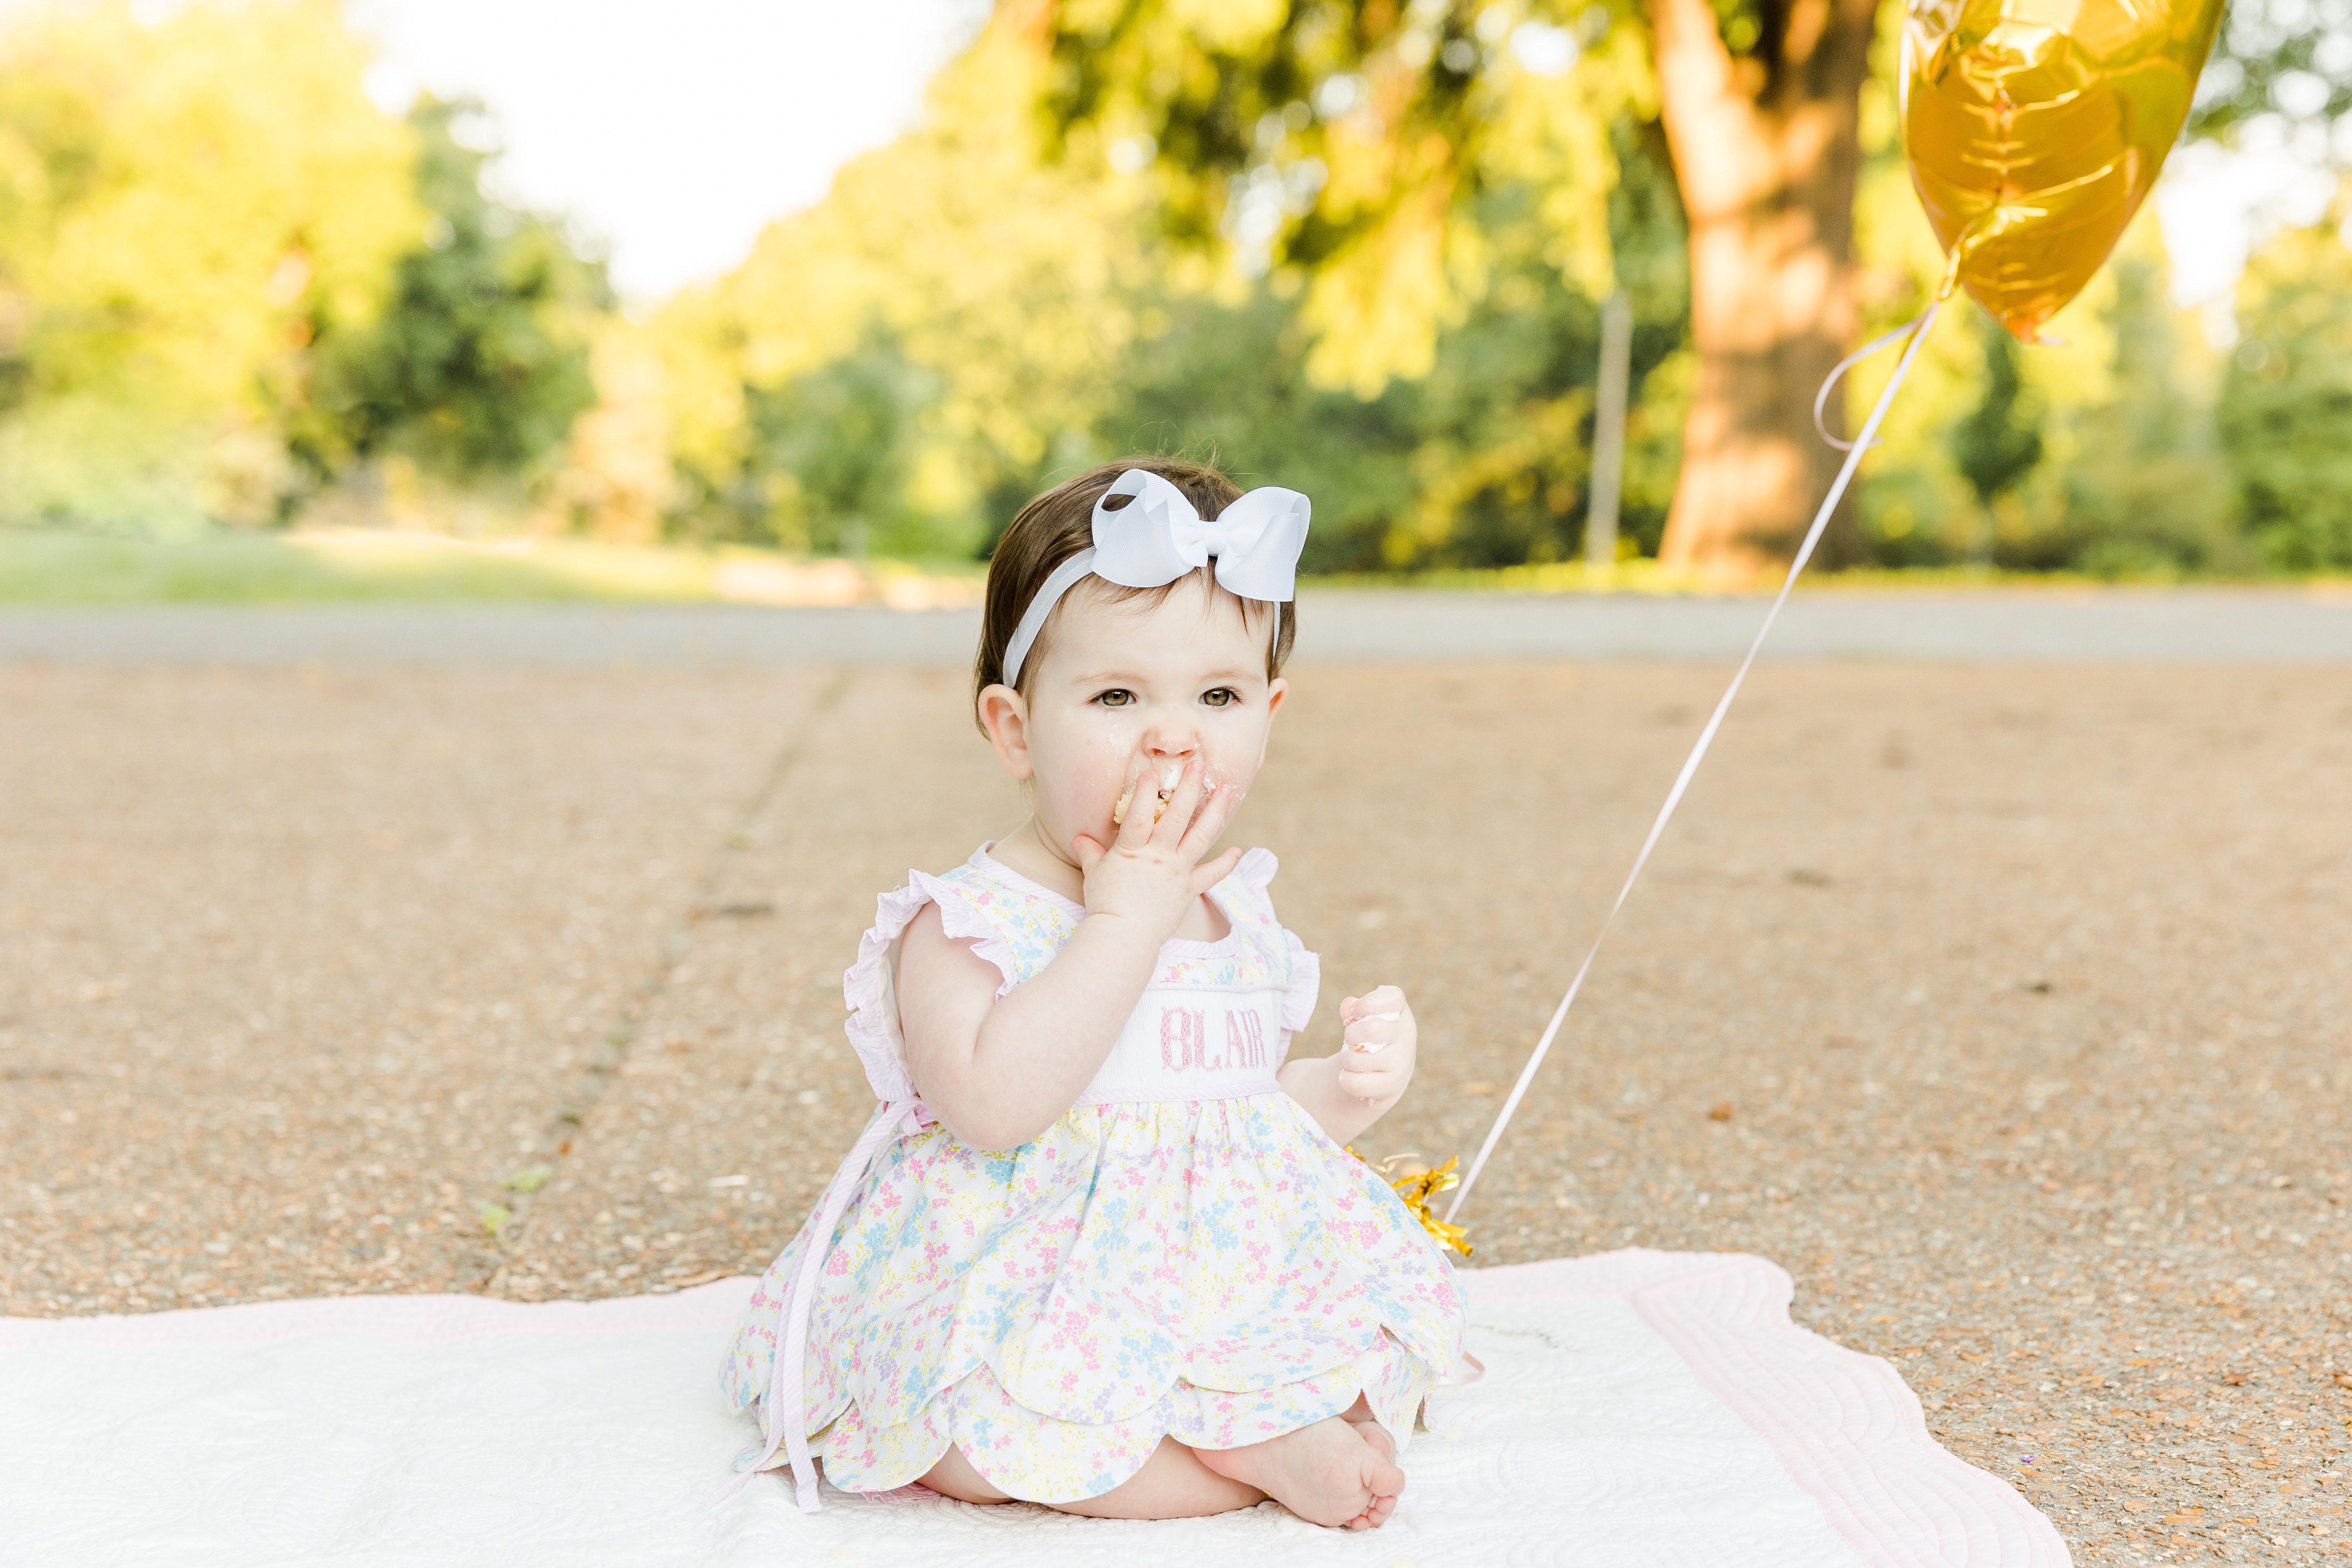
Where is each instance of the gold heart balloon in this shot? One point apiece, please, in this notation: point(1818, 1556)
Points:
point(2034, 129)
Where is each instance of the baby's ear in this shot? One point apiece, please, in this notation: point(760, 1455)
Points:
point(1005, 715)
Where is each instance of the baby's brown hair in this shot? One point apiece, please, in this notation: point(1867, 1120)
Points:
point(1059, 523)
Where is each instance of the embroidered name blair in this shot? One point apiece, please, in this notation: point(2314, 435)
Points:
point(1184, 1041)
point(1196, 1042)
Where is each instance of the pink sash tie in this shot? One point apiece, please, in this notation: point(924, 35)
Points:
point(788, 1423)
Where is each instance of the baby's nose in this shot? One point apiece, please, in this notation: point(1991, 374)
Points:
point(1176, 741)
point(1168, 746)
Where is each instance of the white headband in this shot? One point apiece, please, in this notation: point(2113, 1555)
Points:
point(1158, 537)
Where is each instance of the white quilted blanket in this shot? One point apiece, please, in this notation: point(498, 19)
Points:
point(1638, 1409)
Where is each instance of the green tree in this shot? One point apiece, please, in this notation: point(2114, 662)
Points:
point(984, 297)
point(479, 363)
point(2000, 441)
point(2143, 493)
point(1481, 462)
point(965, 318)
point(2286, 408)
point(179, 201)
point(1226, 383)
point(828, 459)
point(2288, 57)
point(1354, 139)
point(841, 438)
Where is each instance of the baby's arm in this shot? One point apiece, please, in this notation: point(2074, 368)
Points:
point(997, 1070)
point(1353, 1088)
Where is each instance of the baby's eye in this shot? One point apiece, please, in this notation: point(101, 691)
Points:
point(1117, 697)
point(1221, 697)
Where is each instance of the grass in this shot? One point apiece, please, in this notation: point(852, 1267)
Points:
point(60, 568)
point(55, 567)
point(1643, 575)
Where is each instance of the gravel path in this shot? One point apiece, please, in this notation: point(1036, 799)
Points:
point(2006, 1007)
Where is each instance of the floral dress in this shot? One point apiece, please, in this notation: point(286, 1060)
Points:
point(1184, 1253)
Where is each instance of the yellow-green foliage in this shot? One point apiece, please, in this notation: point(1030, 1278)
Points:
point(1317, 136)
point(2286, 402)
point(177, 202)
point(1003, 293)
point(1354, 246)
point(2126, 482)
point(982, 283)
point(1416, 257)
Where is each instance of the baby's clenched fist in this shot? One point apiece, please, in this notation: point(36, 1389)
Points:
point(1378, 1045)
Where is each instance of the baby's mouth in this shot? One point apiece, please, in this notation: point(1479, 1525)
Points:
point(1167, 783)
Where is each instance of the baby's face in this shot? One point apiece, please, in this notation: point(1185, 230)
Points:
point(1135, 688)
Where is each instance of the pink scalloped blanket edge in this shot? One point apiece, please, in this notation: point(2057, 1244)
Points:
point(1845, 1426)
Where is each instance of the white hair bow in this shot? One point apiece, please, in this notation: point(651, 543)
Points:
point(1158, 537)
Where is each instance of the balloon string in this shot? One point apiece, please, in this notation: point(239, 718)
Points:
point(1854, 450)
point(1821, 398)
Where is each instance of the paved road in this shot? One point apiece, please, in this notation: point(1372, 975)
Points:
point(2187, 626)
point(2006, 1012)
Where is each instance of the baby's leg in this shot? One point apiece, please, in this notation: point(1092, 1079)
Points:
point(955, 1476)
point(1173, 1484)
point(1334, 1472)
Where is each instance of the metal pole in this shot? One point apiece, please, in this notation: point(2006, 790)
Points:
point(1609, 435)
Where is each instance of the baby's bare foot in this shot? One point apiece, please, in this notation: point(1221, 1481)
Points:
point(1372, 1432)
point(1331, 1473)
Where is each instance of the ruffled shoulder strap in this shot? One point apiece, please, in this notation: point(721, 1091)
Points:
point(1306, 985)
point(996, 917)
point(1250, 903)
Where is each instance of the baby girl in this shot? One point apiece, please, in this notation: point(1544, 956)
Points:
point(1102, 1247)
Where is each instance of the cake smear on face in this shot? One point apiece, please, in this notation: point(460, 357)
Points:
point(1167, 783)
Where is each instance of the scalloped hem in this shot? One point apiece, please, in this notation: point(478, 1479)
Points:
point(1039, 1458)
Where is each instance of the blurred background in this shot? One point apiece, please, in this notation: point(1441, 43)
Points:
point(781, 301)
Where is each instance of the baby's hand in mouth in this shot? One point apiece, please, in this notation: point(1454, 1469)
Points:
point(1166, 783)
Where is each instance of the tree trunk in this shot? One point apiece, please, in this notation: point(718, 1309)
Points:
point(1765, 148)
point(1609, 435)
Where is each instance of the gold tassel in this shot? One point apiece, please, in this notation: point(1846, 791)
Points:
point(1415, 1184)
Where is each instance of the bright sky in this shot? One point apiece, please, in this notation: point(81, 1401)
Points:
point(675, 132)
point(2216, 203)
